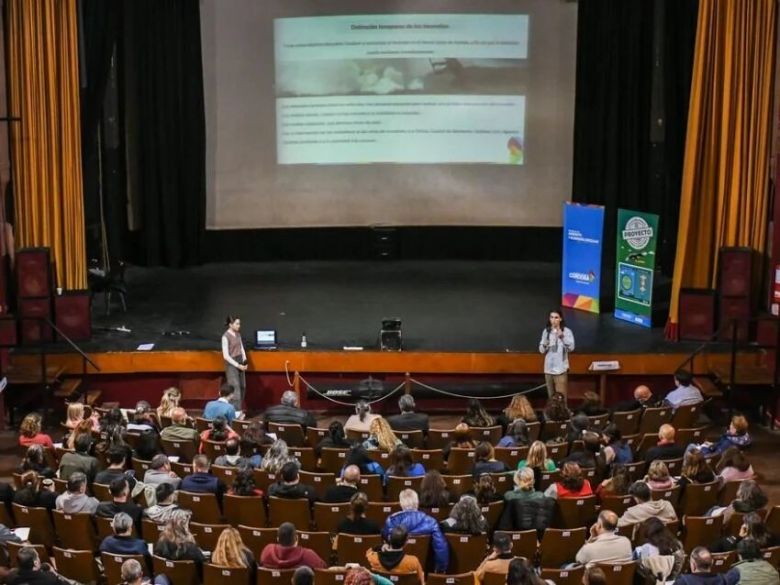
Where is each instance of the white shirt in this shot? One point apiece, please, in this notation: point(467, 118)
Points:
point(683, 395)
point(556, 350)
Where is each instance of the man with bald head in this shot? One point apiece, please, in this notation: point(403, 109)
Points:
point(179, 430)
point(643, 398)
point(347, 486)
point(666, 447)
point(604, 545)
point(701, 571)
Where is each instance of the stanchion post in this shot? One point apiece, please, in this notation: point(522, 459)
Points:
point(407, 383)
point(297, 385)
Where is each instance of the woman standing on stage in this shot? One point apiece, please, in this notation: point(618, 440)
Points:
point(235, 361)
point(556, 343)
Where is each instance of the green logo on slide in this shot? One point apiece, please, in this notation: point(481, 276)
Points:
point(515, 146)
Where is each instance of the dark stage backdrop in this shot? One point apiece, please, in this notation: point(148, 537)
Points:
point(152, 140)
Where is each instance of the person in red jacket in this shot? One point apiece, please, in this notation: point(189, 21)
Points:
point(286, 554)
point(572, 485)
point(31, 434)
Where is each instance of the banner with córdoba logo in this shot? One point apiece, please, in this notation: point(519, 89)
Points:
point(637, 234)
point(583, 228)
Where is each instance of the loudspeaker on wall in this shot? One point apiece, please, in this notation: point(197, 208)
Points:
point(33, 273)
point(72, 314)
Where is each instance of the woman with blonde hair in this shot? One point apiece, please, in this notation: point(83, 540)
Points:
point(30, 432)
point(524, 486)
point(85, 427)
point(537, 458)
point(382, 436)
point(176, 542)
point(520, 407)
point(658, 477)
point(76, 413)
point(461, 439)
point(231, 551)
point(278, 454)
point(170, 400)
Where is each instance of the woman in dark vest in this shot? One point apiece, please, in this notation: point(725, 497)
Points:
point(235, 361)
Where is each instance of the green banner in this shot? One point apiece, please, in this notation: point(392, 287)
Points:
point(637, 234)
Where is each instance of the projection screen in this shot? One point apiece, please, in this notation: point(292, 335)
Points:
point(407, 113)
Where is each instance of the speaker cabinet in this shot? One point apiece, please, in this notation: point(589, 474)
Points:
point(735, 275)
point(72, 313)
point(33, 273)
point(35, 331)
point(734, 309)
point(696, 314)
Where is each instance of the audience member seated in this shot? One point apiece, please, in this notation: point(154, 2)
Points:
point(30, 571)
point(408, 419)
point(701, 571)
point(77, 412)
point(253, 442)
point(290, 485)
point(244, 484)
point(402, 465)
point(516, 435)
point(176, 542)
point(221, 406)
point(34, 460)
point(591, 456)
point(35, 492)
point(750, 498)
point(643, 398)
point(120, 502)
point(666, 447)
point(753, 526)
point(178, 430)
point(616, 449)
point(362, 419)
point(335, 439)
point(572, 484)
point(537, 458)
point(356, 521)
point(658, 477)
point(122, 542)
point(752, 569)
point(524, 486)
point(644, 507)
point(521, 573)
point(735, 436)
point(476, 415)
point(232, 456)
point(201, 481)
point(160, 472)
point(132, 573)
point(466, 517)
point(485, 490)
point(417, 522)
point(219, 432)
point(433, 492)
point(358, 456)
point(79, 460)
point(578, 425)
point(382, 437)
point(277, 456)
point(519, 408)
point(617, 484)
point(661, 552)
point(734, 466)
point(461, 439)
point(75, 499)
point(30, 432)
point(168, 403)
point(287, 554)
point(485, 460)
point(591, 405)
point(289, 412)
point(116, 468)
point(166, 504)
point(685, 392)
point(498, 560)
point(556, 409)
point(604, 545)
point(83, 428)
point(142, 419)
point(231, 552)
point(345, 488)
point(695, 469)
point(303, 575)
point(391, 558)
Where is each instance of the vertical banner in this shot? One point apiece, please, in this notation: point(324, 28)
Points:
point(583, 227)
point(636, 241)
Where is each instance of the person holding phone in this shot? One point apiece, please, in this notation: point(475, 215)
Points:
point(556, 343)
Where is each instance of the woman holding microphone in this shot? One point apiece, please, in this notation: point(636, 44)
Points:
point(556, 343)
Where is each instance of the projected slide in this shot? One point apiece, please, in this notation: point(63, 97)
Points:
point(410, 88)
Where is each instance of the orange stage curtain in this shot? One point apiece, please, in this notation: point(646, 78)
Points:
point(46, 143)
point(725, 187)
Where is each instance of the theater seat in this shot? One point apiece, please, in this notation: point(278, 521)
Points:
point(214, 575)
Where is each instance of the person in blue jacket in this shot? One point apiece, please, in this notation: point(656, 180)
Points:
point(417, 522)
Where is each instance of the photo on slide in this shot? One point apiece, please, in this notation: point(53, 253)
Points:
point(411, 76)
